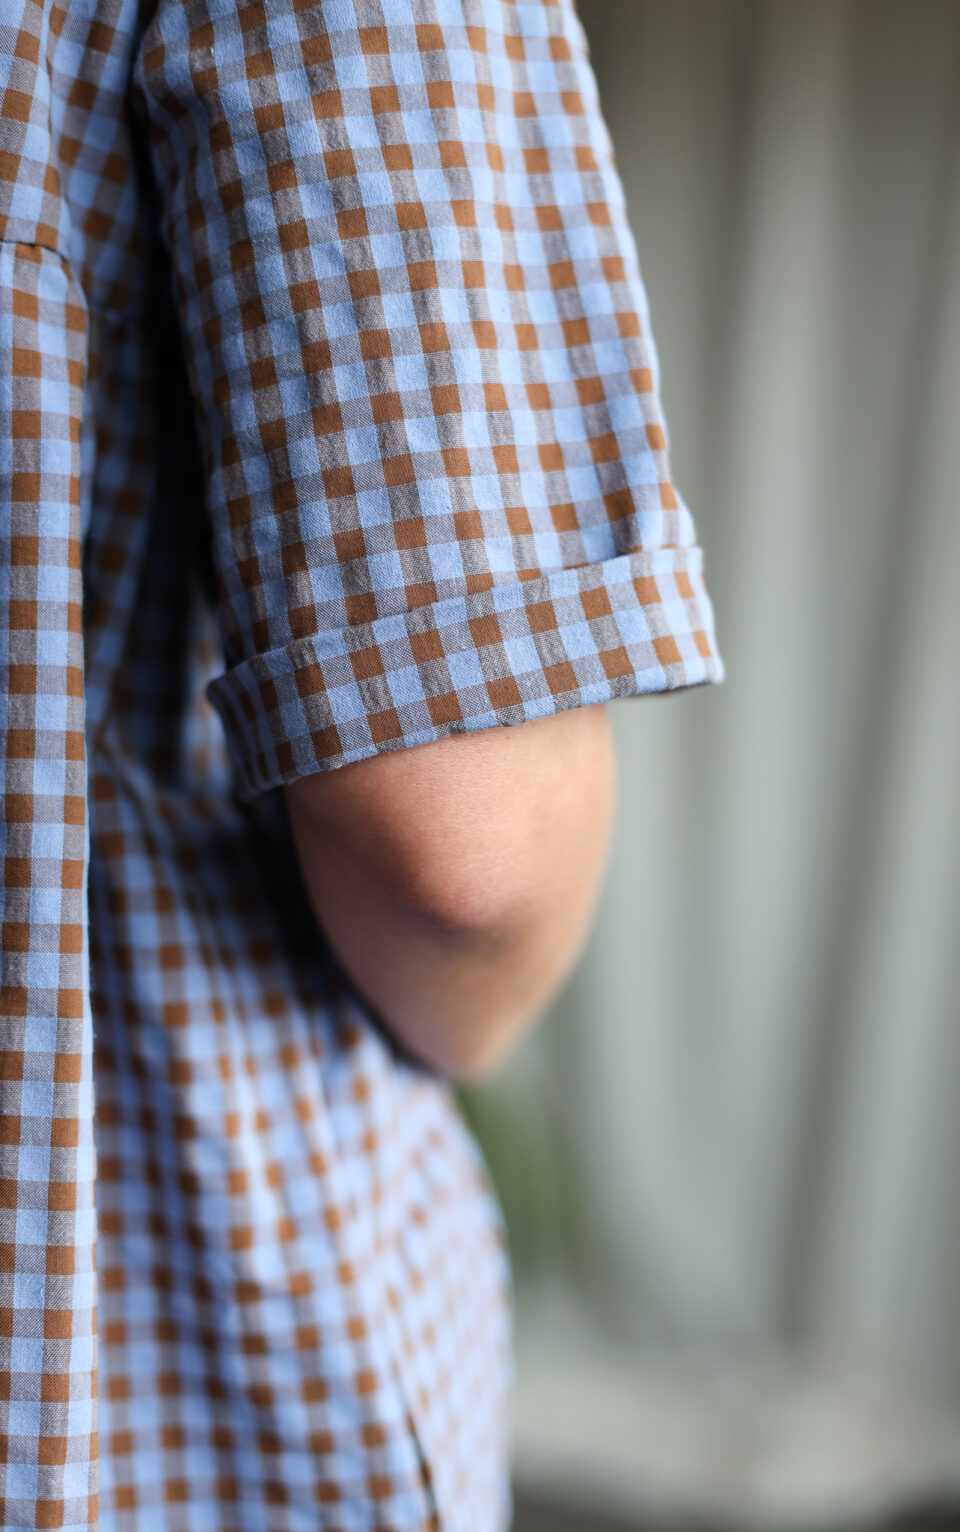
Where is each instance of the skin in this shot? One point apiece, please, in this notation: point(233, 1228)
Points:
point(455, 881)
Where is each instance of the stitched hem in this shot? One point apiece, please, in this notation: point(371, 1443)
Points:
point(639, 623)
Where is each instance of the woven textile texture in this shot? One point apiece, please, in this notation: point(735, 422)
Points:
point(328, 397)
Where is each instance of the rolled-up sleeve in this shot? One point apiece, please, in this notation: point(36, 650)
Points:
point(427, 393)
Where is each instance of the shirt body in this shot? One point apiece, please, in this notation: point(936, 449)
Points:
point(328, 399)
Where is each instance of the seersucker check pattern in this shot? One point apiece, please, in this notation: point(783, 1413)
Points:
point(328, 396)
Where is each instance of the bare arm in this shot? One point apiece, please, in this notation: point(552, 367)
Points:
point(454, 881)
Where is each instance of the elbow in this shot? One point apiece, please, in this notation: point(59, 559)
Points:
point(471, 895)
point(498, 953)
point(453, 884)
point(468, 1061)
point(469, 1045)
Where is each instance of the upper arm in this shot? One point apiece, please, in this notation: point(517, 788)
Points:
point(436, 464)
point(472, 832)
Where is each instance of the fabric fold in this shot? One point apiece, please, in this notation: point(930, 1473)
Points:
point(509, 653)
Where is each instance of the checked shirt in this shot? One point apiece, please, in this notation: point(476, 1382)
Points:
point(328, 398)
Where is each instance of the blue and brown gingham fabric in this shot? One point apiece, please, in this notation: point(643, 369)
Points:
point(328, 397)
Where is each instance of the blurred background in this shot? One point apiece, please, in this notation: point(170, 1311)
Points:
point(730, 1160)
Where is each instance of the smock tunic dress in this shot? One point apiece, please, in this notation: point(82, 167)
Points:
point(330, 427)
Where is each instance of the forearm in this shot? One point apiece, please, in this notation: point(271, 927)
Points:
point(458, 926)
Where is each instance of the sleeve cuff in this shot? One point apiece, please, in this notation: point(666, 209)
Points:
point(505, 655)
